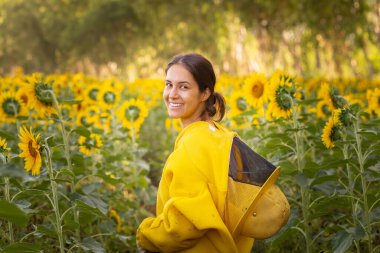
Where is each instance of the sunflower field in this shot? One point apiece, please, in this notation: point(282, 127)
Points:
point(81, 158)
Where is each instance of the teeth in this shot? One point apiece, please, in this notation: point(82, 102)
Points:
point(175, 105)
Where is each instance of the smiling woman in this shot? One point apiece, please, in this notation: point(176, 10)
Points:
point(209, 198)
point(182, 96)
point(189, 93)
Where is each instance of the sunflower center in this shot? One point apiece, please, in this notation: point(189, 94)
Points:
point(257, 90)
point(44, 93)
point(132, 113)
point(24, 98)
point(32, 151)
point(325, 110)
point(11, 106)
point(93, 94)
point(283, 98)
point(3, 146)
point(241, 104)
point(90, 143)
point(84, 121)
point(109, 97)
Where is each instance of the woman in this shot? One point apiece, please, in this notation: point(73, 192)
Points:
point(215, 194)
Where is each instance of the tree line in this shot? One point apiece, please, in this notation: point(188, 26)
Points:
point(307, 37)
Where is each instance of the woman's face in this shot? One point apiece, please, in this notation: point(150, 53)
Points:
point(182, 96)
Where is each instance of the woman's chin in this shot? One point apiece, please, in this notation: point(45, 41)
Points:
point(174, 115)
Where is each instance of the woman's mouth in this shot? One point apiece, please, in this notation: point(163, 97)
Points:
point(175, 105)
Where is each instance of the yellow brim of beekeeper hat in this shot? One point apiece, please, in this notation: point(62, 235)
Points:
point(252, 209)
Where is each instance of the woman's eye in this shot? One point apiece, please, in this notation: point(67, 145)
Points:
point(168, 85)
point(184, 87)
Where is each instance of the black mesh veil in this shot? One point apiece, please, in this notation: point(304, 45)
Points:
point(247, 166)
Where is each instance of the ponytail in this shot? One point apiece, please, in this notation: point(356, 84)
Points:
point(216, 104)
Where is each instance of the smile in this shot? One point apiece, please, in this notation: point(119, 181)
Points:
point(175, 104)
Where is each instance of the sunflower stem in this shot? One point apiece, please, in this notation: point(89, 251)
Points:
point(134, 150)
point(55, 203)
point(305, 195)
point(361, 161)
point(350, 188)
point(7, 194)
point(8, 197)
point(17, 122)
point(67, 155)
point(63, 130)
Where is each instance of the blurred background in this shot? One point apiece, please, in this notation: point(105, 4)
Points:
point(81, 87)
point(131, 39)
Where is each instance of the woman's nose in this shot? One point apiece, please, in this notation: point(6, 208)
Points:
point(173, 92)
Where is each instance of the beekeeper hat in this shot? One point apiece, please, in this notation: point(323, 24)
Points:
point(255, 206)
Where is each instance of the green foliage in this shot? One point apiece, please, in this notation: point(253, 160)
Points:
point(141, 36)
point(11, 212)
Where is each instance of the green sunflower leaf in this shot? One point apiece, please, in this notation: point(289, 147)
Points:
point(21, 247)
point(11, 212)
point(369, 133)
point(91, 244)
point(47, 230)
point(12, 170)
point(342, 241)
point(301, 180)
point(82, 131)
point(8, 136)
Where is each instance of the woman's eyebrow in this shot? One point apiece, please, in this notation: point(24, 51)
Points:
point(180, 82)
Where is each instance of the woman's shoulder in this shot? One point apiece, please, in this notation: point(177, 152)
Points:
point(203, 133)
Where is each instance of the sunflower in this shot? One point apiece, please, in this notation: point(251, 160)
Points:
point(373, 97)
point(116, 218)
point(226, 83)
point(31, 150)
point(332, 97)
point(152, 91)
point(323, 110)
point(88, 116)
point(255, 88)
point(129, 195)
point(23, 95)
point(330, 132)
point(132, 113)
point(355, 100)
point(66, 111)
point(238, 103)
point(3, 147)
point(173, 125)
point(108, 97)
point(281, 94)
point(91, 93)
point(344, 116)
point(41, 95)
point(90, 145)
point(11, 106)
point(103, 122)
point(60, 82)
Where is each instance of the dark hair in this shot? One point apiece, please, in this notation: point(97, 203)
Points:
point(204, 74)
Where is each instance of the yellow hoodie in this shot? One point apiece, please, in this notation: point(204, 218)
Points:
point(191, 198)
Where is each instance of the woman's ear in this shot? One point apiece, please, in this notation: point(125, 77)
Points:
point(206, 94)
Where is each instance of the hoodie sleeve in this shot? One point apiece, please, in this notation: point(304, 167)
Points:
point(188, 213)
